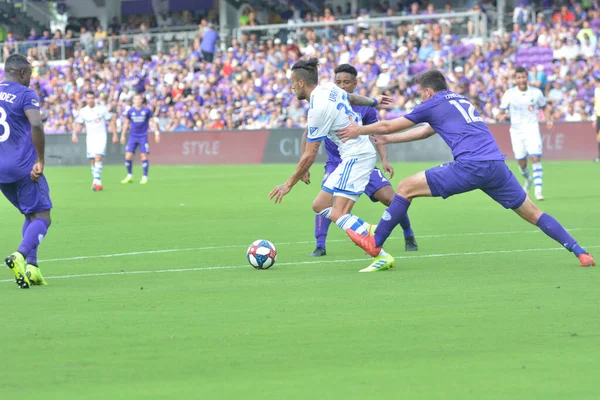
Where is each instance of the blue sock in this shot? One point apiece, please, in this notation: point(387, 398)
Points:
point(145, 165)
point(129, 166)
point(555, 230)
point(406, 228)
point(321, 227)
point(391, 218)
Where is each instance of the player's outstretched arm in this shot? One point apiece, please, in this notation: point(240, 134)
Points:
point(418, 133)
point(379, 128)
point(306, 177)
point(308, 158)
point(378, 102)
point(39, 141)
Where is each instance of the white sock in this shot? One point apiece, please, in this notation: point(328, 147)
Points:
point(354, 223)
point(538, 173)
point(98, 170)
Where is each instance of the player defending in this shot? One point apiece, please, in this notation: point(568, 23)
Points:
point(22, 179)
point(95, 116)
point(478, 164)
point(378, 189)
point(523, 103)
point(329, 111)
point(138, 118)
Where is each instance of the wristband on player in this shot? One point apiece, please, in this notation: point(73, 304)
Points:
point(374, 102)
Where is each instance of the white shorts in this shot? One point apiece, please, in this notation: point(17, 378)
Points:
point(350, 178)
point(95, 145)
point(526, 144)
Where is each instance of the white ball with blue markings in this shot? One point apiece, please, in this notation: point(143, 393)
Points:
point(261, 254)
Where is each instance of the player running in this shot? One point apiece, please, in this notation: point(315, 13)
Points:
point(95, 116)
point(329, 111)
point(478, 164)
point(523, 103)
point(378, 189)
point(22, 180)
point(138, 118)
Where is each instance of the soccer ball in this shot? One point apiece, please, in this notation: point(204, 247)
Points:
point(261, 254)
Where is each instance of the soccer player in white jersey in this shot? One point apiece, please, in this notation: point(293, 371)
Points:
point(329, 112)
point(95, 116)
point(524, 103)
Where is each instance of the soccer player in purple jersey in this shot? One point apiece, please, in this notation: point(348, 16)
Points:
point(138, 118)
point(478, 164)
point(22, 179)
point(379, 188)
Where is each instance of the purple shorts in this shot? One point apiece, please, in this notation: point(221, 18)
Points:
point(133, 143)
point(494, 178)
point(28, 196)
point(376, 181)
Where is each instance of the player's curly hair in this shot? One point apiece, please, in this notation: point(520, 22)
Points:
point(346, 68)
point(307, 70)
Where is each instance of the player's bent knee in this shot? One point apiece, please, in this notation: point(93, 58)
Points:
point(385, 195)
point(45, 215)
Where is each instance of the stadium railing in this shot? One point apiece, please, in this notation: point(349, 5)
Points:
point(63, 48)
point(386, 25)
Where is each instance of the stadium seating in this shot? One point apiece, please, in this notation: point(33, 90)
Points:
point(247, 85)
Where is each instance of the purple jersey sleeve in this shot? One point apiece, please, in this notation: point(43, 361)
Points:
point(30, 100)
point(420, 114)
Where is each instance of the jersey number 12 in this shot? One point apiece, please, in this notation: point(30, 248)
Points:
point(468, 114)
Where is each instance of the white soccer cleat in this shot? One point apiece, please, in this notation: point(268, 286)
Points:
point(538, 193)
point(144, 180)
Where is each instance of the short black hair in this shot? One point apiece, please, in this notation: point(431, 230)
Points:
point(308, 70)
point(347, 68)
point(520, 70)
point(90, 92)
point(15, 63)
point(433, 79)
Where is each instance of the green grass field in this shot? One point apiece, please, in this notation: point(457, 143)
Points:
point(150, 295)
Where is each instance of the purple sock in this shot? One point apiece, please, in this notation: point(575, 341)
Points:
point(145, 165)
point(406, 228)
point(32, 256)
point(129, 166)
point(33, 236)
point(321, 228)
point(555, 230)
point(391, 217)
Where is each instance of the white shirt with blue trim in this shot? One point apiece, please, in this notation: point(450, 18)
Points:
point(329, 112)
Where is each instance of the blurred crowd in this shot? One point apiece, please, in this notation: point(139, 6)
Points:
point(246, 84)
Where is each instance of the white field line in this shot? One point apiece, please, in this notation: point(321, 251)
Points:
point(238, 246)
point(160, 271)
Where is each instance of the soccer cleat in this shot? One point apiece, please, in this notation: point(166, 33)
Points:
point(34, 274)
point(144, 180)
point(319, 252)
point(16, 262)
point(128, 179)
point(527, 184)
point(367, 243)
point(410, 244)
point(597, 159)
point(586, 260)
point(380, 263)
